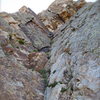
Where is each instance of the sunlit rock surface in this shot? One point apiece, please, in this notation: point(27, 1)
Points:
point(22, 36)
point(75, 57)
point(54, 55)
point(59, 12)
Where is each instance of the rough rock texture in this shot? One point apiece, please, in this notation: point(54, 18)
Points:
point(36, 64)
point(22, 35)
point(59, 12)
point(37, 59)
point(20, 84)
point(75, 58)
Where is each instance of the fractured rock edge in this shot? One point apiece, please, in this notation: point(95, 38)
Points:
point(74, 60)
point(22, 55)
point(75, 57)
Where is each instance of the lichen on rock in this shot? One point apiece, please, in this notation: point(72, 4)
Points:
point(54, 55)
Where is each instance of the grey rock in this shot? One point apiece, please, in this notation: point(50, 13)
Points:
point(81, 47)
point(73, 69)
point(21, 36)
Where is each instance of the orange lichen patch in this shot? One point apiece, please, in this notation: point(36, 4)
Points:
point(31, 55)
point(8, 49)
point(50, 27)
point(42, 19)
point(37, 60)
point(54, 25)
point(15, 37)
point(80, 5)
point(65, 15)
point(72, 11)
point(13, 22)
point(66, 50)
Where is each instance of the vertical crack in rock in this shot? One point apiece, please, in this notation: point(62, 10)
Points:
point(54, 55)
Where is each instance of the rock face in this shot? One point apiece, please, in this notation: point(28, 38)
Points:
point(38, 60)
point(20, 84)
point(75, 57)
point(59, 12)
point(64, 64)
point(22, 35)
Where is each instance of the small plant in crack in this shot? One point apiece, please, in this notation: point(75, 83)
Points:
point(48, 54)
point(51, 42)
point(17, 47)
point(33, 68)
point(73, 29)
point(10, 36)
point(53, 84)
point(54, 71)
point(49, 71)
point(69, 88)
point(43, 72)
point(21, 41)
point(64, 90)
point(35, 50)
point(60, 82)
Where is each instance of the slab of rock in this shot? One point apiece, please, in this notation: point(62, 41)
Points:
point(75, 57)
